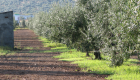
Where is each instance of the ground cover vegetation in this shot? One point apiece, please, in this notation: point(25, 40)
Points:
point(108, 28)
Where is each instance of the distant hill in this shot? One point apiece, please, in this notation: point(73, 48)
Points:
point(26, 6)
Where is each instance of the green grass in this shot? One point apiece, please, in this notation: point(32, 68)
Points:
point(47, 51)
point(19, 28)
point(59, 48)
point(6, 51)
point(48, 43)
point(128, 71)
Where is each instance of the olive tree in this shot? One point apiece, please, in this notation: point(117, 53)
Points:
point(70, 27)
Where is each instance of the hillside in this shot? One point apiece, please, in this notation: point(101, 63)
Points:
point(26, 6)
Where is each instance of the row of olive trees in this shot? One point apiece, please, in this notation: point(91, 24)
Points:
point(110, 26)
point(64, 24)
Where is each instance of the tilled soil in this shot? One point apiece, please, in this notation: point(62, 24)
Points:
point(38, 66)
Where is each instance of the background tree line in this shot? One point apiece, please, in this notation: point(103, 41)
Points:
point(109, 27)
point(26, 6)
point(20, 24)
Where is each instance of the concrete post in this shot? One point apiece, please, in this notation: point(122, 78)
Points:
point(6, 29)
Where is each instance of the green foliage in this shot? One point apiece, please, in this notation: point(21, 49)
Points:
point(104, 25)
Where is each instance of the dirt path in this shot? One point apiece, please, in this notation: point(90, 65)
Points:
point(38, 66)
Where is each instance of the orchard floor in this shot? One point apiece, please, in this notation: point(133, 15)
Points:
point(38, 66)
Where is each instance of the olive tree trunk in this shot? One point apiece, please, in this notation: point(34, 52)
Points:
point(97, 54)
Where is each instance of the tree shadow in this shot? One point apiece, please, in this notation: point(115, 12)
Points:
point(52, 73)
point(40, 72)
